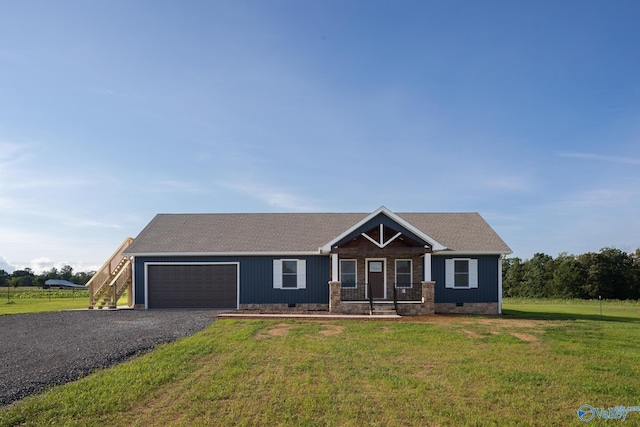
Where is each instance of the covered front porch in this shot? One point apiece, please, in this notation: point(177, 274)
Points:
point(382, 265)
point(382, 282)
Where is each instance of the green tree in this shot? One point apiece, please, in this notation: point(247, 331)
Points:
point(537, 276)
point(4, 278)
point(512, 275)
point(66, 273)
point(22, 277)
point(591, 285)
point(617, 273)
point(51, 274)
point(609, 274)
point(635, 274)
point(568, 278)
point(20, 281)
point(82, 277)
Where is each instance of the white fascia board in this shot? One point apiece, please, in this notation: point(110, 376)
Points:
point(283, 254)
point(434, 244)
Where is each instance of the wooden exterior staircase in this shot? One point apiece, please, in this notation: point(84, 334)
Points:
point(112, 280)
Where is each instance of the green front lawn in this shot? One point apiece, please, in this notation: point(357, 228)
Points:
point(442, 370)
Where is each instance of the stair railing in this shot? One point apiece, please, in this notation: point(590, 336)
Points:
point(100, 281)
point(395, 297)
point(370, 295)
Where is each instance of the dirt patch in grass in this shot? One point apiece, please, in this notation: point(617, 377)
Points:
point(465, 319)
point(471, 334)
point(331, 330)
point(514, 323)
point(527, 330)
point(525, 337)
point(279, 330)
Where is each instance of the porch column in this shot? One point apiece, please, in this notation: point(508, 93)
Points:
point(334, 268)
point(427, 267)
point(428, 305)
point(335, 300)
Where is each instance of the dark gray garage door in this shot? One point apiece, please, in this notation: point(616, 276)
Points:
point(193, 286)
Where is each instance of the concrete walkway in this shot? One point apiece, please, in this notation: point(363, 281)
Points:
point(307, 316)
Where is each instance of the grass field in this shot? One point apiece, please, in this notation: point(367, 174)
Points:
point(573, 309)
point(35, 300)
point(525, 368)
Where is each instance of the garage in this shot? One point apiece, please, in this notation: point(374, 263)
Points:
point(192, 285)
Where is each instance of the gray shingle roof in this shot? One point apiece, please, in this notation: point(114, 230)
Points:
point(297, 232)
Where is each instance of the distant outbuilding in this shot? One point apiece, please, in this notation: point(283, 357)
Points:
point(55, 283)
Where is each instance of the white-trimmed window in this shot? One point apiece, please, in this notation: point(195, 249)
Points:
point(289, 273)
point(348, 273)
point(461, 273)
point(404, 277)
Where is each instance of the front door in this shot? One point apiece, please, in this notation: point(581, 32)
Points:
point(376, 278)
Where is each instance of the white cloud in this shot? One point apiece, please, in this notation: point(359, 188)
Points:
point(23, 168)
point(177, 185)
point(598, 157)
point(274, 196)
point(608, 198)
point(12, 150)
point(6, 265)
point(54, 181)
point(576, 222)
point(40, 265)
point(508, 183)
point(90, 223)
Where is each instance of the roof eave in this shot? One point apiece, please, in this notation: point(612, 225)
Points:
point(471, 252)
point(234, 253)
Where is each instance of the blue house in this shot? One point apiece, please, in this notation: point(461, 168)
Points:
point(409, 263)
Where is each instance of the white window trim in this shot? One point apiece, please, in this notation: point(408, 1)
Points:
point(395, 280)
point(355, 286)
point(450, 273)
point(301, 274)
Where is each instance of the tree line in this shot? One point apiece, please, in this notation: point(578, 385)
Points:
point(27, 277)
point(609, 274)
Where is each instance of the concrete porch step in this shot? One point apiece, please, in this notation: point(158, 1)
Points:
point(383, 310)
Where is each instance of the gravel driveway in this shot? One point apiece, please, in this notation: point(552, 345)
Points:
point(40, 349)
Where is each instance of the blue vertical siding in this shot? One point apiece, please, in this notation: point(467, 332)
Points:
point(487, 290)
point(256, 278)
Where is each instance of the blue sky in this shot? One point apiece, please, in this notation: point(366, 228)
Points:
point(111, 111)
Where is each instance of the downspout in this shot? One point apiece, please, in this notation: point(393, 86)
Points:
point(133, 280)
point(500, 283)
